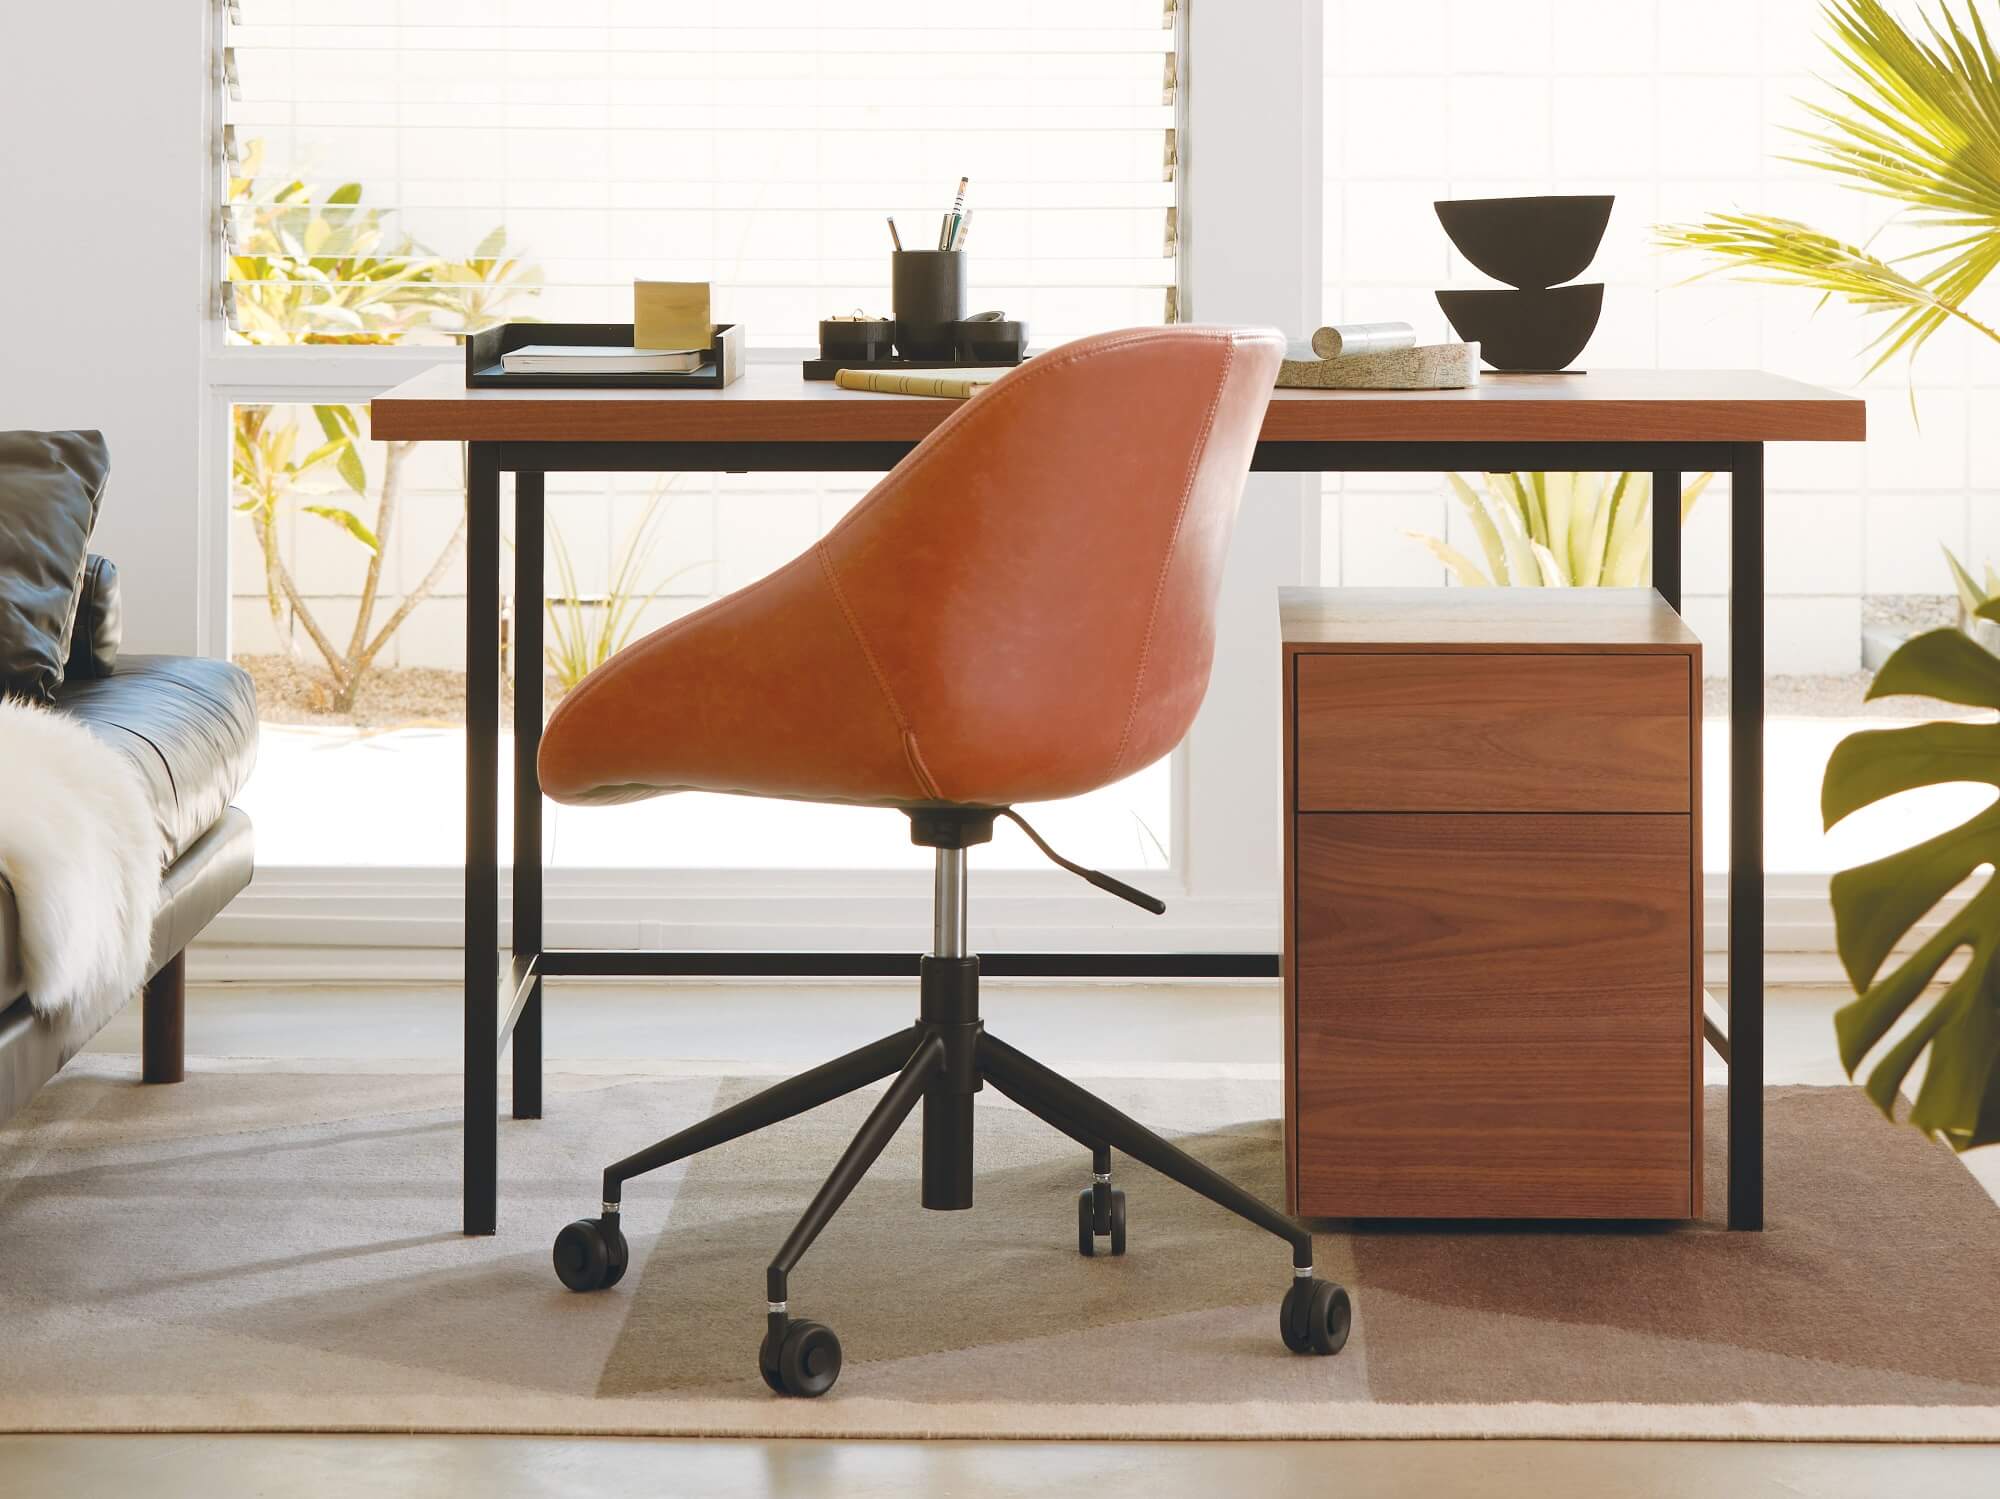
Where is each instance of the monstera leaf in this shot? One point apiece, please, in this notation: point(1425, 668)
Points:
point(1876, 905)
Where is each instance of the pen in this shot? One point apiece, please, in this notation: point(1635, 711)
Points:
point(948, 230)
point(894, 238)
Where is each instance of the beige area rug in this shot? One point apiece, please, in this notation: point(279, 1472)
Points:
point(271, 1251)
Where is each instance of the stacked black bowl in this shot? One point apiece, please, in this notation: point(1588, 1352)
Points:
point(1534, 245)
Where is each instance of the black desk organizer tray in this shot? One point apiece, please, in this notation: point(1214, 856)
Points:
point(977, 344)
point(483, 352)
point(825, 369)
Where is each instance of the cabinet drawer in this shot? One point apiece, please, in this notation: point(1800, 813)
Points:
point(1495, 1016)
point(1494, 732)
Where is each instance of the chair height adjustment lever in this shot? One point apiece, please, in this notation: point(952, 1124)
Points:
point(1096, 877)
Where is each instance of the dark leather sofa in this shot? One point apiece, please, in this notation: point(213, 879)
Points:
point(190, 726)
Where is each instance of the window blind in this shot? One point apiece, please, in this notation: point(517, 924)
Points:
point(402, 170)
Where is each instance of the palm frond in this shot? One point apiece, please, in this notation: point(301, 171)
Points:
point(1922, 118)
point(1762, 247)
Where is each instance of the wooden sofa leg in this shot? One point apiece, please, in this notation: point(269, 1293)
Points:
point(163, 1023)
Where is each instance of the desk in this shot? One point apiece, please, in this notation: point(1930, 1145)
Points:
point(1665, 423)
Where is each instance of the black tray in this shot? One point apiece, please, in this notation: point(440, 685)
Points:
point(826, 369)
point(483, 352)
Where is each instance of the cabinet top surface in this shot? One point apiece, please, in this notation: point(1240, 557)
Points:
point(1493, 619)
point(775, 403)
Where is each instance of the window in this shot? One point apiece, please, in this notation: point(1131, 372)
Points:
point(549, 151)
point(395, 173)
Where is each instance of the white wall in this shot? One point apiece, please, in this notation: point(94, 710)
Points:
point(1679, 108)
point(103, 115)
point(1253, 255)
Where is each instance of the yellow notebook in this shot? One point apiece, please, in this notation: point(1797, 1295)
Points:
point(953, 383)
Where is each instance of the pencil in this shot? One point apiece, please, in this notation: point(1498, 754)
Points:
point(894, 238)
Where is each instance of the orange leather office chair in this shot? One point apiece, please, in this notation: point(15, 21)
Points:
point(1023, 610)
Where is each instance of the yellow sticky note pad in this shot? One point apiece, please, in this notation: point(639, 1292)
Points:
point(670, 315)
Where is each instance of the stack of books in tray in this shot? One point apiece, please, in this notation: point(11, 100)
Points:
point(601, 359)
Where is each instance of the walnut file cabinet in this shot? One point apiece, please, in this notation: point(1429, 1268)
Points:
point(1493, 994)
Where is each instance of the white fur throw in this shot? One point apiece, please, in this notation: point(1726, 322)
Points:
point(80, 847)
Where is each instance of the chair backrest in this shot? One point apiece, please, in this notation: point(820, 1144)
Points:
point(1037, 581)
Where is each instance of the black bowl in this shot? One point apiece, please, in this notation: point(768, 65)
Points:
point(1527, 242)
point(1526, 330)
point(992, 341)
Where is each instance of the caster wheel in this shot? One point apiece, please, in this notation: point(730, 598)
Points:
point(590, 1254)
point(1316, 1317)
point(767, 1363)
point(806, 1362)
point(1088, 1228)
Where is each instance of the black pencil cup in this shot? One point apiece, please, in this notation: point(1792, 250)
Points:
point(927, 293)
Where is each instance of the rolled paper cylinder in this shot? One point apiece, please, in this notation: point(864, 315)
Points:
point(1344, 339)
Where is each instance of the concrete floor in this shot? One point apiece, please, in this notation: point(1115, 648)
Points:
point(1202, 1028)
point(533, 1468)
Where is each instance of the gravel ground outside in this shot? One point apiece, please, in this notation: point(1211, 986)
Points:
point(392, 697)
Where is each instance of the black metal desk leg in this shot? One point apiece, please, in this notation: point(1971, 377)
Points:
point(528, 513)
point(1746, 839)
point(482, 872)
point(1667, 536)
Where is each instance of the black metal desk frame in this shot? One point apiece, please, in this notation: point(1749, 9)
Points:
point(504, 1000)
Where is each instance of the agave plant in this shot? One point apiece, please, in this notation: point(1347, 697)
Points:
point(1917, 123)
point(585, 631)
point(1973, 596)
point(1877, 905)
point(1556, 530)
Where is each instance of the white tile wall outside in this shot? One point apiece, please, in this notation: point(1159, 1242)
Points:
point(757, 533)
point(1496, 125)
point(1904, 533)
point(1705, 541)
point(1982, 541)
point(1708, 616)
point(1374, 544)
point(1603, 127)
point(425, 524)
point(250, 628)
point(433, 635)
point(1679, 109)
point(1812, 544)
point(1808, 636)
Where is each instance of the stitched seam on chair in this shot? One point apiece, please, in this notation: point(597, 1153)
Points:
point(909, 735)
point(925, 780)
point(1167, 562)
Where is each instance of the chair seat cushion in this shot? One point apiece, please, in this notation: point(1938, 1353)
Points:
point(188, 724)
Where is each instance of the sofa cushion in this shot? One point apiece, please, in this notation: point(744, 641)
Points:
point(50, 487)
point(189, 724)
point(100, 619)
